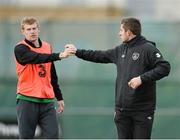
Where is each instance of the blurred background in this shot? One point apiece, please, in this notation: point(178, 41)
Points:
point(89, 88)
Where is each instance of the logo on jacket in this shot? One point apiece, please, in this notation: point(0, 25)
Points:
point(158, 55)
point(123, 55)
point(135, 56)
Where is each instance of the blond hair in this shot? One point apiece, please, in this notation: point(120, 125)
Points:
point(29, 21)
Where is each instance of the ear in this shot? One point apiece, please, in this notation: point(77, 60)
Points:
point(22, 31)
point(129, 33)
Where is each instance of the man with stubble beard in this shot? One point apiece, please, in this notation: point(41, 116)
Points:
point(139, 65)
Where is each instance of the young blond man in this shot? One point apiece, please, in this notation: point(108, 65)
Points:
point(37, 83)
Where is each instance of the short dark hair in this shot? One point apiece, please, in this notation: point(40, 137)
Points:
point(132, 24)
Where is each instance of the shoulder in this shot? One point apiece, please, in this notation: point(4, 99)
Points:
point(45, 43)
point(150, 49)
point(149, 46)
point(21, 48)
point(120, 47)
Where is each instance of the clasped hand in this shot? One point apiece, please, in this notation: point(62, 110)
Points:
point(69, 50)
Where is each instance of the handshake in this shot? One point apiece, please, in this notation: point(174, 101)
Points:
point(69, 50)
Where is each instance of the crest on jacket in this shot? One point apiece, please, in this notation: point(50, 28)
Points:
point(135, 56)
point(158, 55)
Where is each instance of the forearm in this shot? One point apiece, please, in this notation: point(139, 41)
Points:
point(94, 56)
point(157, 73)
point(39, 58)
point(54, 83)
point(25, 56)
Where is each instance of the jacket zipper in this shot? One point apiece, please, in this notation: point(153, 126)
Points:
point(125, 69)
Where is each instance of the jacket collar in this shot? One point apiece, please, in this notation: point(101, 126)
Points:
point(31, 44)
point(135, 40)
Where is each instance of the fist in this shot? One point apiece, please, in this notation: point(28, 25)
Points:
point(135, 82)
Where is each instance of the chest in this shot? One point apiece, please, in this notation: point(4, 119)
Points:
point(131, 55)
point(43, 49)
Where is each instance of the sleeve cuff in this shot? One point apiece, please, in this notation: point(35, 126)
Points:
point(59, 98)
point(78, 52)
point(56, 56)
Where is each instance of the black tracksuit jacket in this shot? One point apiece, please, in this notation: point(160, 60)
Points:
point(138, 57)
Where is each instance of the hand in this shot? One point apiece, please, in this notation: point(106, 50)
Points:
point(60, 106)
point(135, 82)
point(69, 50)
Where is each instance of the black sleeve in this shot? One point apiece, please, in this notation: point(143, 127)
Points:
point(159, 67)
point(54, 82)
point(108, 56)
point(24, 56)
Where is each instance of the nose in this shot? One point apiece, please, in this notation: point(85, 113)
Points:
point(31, 31)
point(119, 33)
